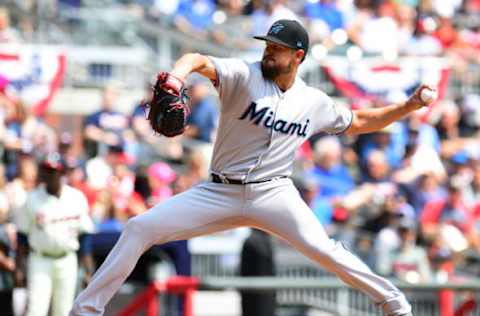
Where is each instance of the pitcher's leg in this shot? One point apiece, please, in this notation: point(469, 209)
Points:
point(192, 213)
point(287, 216)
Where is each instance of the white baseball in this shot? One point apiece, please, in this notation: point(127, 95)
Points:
point(428, 95)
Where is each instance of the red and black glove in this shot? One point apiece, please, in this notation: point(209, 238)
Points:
point(168, 110)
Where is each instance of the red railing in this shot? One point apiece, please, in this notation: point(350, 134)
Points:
point(187, 286)
point(178, 285)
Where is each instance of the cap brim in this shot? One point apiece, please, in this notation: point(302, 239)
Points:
point(274, 40)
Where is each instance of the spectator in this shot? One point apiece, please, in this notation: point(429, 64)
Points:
point(324, 17)
point(329, 171)
point(446, 8)
point(448, 126)
point(106, 215)
point(409, 262)
point(391, 210)
point(8, 35)
point(65, 148)
point(106, 127)
point(373, 29)
point(326, 11)
point(18, 189)
point(121, 183)
point(204, 114)
point(7, 269)
point(25, 133)
point(387, 239)
point(427, 189)
point(140, 195)
point(422, 42)
point(331, 176)
point(160, 177)
point(100, 169)
point(386, 140)
point(378, 170)
point(419, 129)
point(5, 206)
point(75, 176)
point(474, 190)
point(195, 16)
point(453, 139)
point(450, 220)
point(405, 16)
point(376, 189)
point(419, 159)
point(37, 138)
point(7, 260)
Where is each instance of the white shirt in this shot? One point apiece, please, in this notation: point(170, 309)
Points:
point(52, 223)
point(262, 127)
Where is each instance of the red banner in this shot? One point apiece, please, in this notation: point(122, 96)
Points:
point(31, 74)
point(372, 78)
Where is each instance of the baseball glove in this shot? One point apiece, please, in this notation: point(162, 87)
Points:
point(167, 110)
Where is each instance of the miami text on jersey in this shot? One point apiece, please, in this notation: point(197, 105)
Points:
point(284, 127)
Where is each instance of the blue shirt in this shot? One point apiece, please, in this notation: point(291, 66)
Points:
point(323, 210)
point(139, 111)
point(325, 12)
point(198, 13)
point(110, 225)
point(333, 182)
point(204, 116)
point(394, 151)
point(110, 121)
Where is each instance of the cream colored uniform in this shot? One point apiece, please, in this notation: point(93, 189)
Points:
point(259, 132)
point(52, 225)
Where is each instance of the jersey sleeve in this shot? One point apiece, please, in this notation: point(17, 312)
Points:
point(332, 118)
point(232, 76)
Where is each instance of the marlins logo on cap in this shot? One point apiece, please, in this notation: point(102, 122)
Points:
point(276, 27)
point(289, 33)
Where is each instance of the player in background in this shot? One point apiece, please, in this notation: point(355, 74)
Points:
point(266, 113)
point(53, 218)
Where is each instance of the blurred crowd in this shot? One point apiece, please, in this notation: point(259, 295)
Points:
point(114, 160)
point(389, 28)
point(413, 27)
point(405, 199)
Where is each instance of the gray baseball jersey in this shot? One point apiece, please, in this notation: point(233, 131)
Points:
point(261, 127)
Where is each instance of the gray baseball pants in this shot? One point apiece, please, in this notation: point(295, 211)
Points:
point(274, 206)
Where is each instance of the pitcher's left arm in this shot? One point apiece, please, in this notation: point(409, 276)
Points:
point(374, 119)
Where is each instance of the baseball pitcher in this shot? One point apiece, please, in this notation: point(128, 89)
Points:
point(267, 112)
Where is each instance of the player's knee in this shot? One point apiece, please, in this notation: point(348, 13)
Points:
point(135, 225)
point(324, 251)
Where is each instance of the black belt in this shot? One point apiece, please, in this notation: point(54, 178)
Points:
point(218, 179)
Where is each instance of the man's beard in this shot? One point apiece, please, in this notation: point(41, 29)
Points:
point(272, 72)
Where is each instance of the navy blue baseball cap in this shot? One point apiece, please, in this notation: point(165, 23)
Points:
point(288, 33)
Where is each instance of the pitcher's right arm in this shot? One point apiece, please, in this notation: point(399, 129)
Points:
point(194, 62)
